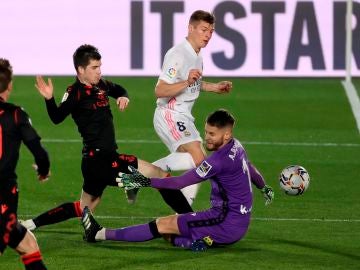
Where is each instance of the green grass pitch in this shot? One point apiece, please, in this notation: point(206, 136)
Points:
point(280, 122)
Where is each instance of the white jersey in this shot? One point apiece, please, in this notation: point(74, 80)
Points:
point(178, 61)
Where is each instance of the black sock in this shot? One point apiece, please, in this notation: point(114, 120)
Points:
point(176, 200)
point(59, 214)
point(33, 261)
point(154, 229)
point(38, 265)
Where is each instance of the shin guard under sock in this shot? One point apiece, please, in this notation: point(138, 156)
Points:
point(59, 214)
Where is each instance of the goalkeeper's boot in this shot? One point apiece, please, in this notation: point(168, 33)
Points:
point(201, 244)
point(90, 225)
point(28, 224)
point(131, 195)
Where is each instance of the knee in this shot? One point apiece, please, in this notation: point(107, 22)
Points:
point(198, 159)
point(28, 245)
point(167, 225)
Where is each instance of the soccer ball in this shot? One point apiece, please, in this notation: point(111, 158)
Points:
point(294, 180)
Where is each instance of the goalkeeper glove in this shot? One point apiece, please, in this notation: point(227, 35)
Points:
point(268, 194)
point(132, 180)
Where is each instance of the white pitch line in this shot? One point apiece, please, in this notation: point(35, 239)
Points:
point(308, 144)
point(254, 218)
point(353, 100)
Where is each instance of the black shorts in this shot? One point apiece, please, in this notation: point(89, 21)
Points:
point(101, 169)
point(11, 232)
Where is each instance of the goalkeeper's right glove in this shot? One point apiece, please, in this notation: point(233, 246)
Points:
point(133, 180)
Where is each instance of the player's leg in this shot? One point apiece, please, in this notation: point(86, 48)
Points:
point(197, 152)
point(58, 214)
point(174, 198)
point(150, 170)
point(24, 242)
point(89, 200)
point(175, 130)
point(183, 140)
point(136, 233)
point(92, 190)
point(196, 230)
point(176, 162)
point(195, 149)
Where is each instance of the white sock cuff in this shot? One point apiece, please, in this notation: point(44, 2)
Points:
point(176, 162)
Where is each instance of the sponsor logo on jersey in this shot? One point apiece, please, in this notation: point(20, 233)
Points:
point(203, 169)
point(171, 73)
point(244, 210)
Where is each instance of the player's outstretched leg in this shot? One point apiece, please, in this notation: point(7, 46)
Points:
point(90, 225)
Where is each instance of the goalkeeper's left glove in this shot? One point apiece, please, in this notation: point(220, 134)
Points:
point(133, 180)
point(268, 194)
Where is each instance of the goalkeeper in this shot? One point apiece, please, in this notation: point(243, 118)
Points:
point(228, 219)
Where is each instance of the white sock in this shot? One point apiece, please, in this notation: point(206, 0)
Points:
point(176, 162)
point(190, 192)
point(100, 235)
point(28, 224)
point(180, 162)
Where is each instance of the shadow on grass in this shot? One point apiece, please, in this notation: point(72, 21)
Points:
point(323, 248)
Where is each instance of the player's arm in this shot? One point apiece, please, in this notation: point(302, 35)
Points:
point(41, 156)
point(119, 93)
point(32, 140)
point(220, 87)
point(116, 90)
point(258, 180)
point(165, 89)
point(136, 180)
point(56, 114)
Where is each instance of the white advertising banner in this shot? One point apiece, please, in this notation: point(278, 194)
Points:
point(265, 38)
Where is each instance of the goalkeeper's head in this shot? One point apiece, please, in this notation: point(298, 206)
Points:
point(218, 129)
point(84, 54)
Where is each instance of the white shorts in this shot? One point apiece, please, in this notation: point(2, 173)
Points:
point(174, 129)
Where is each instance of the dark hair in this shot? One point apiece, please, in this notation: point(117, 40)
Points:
point(84, 54)
point(220, 119)
point(5, 74)
point(201, 15)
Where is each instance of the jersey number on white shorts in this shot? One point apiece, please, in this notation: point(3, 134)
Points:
point(181, 125)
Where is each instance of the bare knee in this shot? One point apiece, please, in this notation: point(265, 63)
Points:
point(28, 245)
point(196, 151)
point(198, 156)
point(150, 170)
point(167, 225)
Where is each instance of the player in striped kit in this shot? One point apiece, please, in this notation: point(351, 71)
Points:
point(177, 89)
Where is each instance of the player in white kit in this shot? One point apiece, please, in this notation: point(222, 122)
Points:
point(179, 85)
